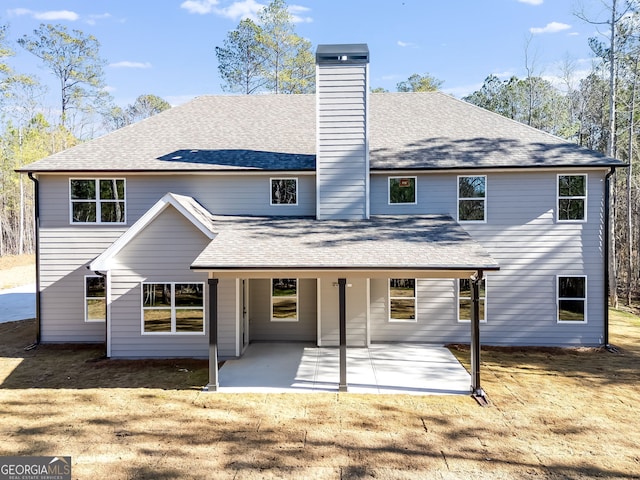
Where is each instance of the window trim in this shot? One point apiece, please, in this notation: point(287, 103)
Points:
point(271, 179)
point(484, 199)
point(415, 190)
point(173, 308)
point(284, 320)
point(584, 299)
point(415, 302)
point(86, 299)
point(580, 197)
point(482, 297)
point(98, 202)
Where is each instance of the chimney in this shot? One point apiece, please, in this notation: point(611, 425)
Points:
point(342, 127)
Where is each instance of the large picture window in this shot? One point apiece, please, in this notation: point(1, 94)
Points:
point(472, 198)
point(572, 198)
point(465, 303)
point(284, 300)
point(284, 191)
point(97, 200)
point(402, 190)
point(173, 308)
point(95, 299)
point(402, 300)
point(572, 299)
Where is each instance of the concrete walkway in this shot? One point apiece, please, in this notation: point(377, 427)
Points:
point(18, 303)
point(415, 369)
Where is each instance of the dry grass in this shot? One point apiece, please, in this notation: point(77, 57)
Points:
point(16, 270)
point(565, 414)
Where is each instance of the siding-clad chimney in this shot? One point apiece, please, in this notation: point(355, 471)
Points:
point(342, 145)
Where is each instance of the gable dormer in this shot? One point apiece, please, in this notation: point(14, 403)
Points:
point(342, 145)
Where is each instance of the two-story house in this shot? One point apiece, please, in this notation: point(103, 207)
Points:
point(340, 218)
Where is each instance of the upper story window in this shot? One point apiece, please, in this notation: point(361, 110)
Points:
point(284, 300)
point(173, 307)
point(572, 298)
point(95, 299)
point(99, 200)
point(572, 198)
point(284, 191)
point(402, 300)
point(472, 198)
point(465, 303)
point(402, 190)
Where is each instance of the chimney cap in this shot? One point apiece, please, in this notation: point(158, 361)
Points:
point(339, 54)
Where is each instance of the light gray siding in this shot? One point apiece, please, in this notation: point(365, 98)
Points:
point(356, 312)
point(342, 166)
point(261, 328)
point(436, 195)
point(162, 252)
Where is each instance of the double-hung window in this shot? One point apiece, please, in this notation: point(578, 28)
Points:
point(173, 308)
point(402, 300)
point(284, 191)
point(472, 198)
point(284, 300)
point(97, 200)
point(402, 190)
point(465, 303)
point(572, 298)
point(95, 299)
point(572, 198)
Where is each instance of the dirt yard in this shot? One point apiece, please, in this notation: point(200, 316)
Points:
point(17, 270)
point(561, 414)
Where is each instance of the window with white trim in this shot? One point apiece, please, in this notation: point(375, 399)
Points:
point(465, 303)
point(95, 299)
point(572, 299)
point(284, 191)
point(99, 200)
point(402, 190)
point(402, 300)
point(173, 307)
point(472, 198)
point(284, 300)
point(572, 198)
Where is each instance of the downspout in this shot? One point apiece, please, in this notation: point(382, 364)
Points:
point(36, 208)
point(607, 228)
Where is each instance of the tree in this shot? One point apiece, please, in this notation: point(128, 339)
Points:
point(267, 55)
point(74, 59)
point(419, 83)
point(145, 106)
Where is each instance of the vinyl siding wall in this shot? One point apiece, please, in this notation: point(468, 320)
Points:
point(356, 312)
point(342, 146)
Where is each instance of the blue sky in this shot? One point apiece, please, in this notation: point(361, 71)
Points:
point(166, 47)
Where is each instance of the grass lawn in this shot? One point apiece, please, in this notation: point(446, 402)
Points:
point(565, 414)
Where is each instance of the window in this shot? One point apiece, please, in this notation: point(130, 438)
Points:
point(402, 190)
point(284, 300)
point(284, 191)
point(402, 300)
point(173, 308)
point(472, 199)
point(572, 299)
point(572, 198)
point(464, 300)
point(97, 200)
point(95, 299)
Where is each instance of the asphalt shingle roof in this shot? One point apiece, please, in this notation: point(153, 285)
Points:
point(278, 132)
point(434, 242)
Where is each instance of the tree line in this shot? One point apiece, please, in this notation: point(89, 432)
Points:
point(266, 55)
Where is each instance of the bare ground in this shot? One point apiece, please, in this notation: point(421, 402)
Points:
point(565, 414)
point(17, 270)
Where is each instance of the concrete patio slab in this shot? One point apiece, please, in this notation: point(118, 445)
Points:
point(18, 303)
point(415, 369)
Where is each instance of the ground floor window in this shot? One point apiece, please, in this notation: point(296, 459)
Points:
point(465, 303)
point(402, 300)
point(173, 307)
point(284, 300)
point(572, 298)
point(95, 299)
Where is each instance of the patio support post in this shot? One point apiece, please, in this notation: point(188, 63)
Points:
point(476, 389)
point(212, 386)
point(342, 287)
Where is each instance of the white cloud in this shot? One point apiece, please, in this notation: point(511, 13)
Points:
point(297, 14)
point(128, 64)
point(95, 17)
point(505, 74)
point(201, 7)
point(50, 15)
point(405, 44)
point(241, 9)
point(532, 2)
point(553, 27)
